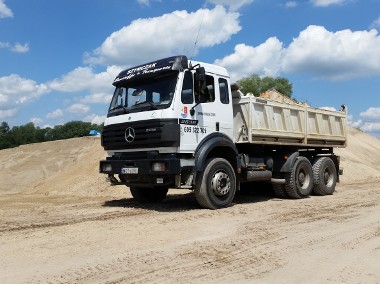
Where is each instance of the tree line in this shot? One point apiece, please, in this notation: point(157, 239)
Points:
point(29, 133)
point(256, 85)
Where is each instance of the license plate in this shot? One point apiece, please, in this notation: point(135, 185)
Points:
point(129, 170)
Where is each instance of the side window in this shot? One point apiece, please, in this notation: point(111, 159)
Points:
point(223, 90)
point(210, 84)
point(187, 89)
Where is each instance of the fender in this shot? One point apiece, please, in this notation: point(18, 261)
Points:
point(210, 143)
point(288, 165)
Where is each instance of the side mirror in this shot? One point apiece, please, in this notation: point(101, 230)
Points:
point(200, 75)
point(199, 82)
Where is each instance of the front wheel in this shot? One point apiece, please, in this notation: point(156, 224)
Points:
point(146, 194)
point(216, 185)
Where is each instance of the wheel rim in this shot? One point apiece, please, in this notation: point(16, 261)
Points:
point(220, 183)
point(304, 178)
point(328, 177)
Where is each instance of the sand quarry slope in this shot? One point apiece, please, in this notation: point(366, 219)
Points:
point(61, 222)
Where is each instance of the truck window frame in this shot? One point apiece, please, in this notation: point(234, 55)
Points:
point(223, 91)
point(187, 92)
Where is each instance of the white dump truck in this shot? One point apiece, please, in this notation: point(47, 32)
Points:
point(175, 123)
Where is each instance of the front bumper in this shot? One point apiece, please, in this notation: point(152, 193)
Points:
point(140, 172)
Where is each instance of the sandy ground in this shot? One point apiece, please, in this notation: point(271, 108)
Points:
point(60, 222)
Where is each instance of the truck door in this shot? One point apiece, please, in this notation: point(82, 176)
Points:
point(206, 110)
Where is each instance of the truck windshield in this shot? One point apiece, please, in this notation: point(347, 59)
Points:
point(143, 95)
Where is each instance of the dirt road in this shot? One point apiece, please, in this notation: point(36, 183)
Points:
point(60, 222)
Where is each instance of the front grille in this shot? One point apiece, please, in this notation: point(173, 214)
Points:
point(147, 133)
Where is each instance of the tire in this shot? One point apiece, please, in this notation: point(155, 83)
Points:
point(299, 182)
point(280, 191)
point(147, 195)
point(216, 186)
point(279, 188)
point(324, 176)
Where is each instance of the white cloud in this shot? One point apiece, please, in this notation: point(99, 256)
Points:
point(373, 113)
point(16, 92)
point(78, 109)
point(143, 2)
point(3, 99)
point(327, 55)
point(8, 112)
point(291, 4)
point(4, 44)
point(175, 33)
point(17, 47)
point(375, 24)
point(371, 127)
point(5, 12)
point(95, 119)
point(55, 114)
point(329, 108)
point(83, 78)
point(47, 126)
point(326, 3)
point(36, 120)
point(99, 86)
point(97, 98)
point(340, 55)
point(369, 121)
point(247, 60)
point(354, 123)
point(20, 48)
point(233, 5)
point(146, 2)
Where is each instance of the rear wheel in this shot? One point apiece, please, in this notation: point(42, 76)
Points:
point(279, 190)
point(146, 194)
point(216, 185)
point(324, 175)
point(299, 182)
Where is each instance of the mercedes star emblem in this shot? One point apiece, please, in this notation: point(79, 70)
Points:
point(129, 134)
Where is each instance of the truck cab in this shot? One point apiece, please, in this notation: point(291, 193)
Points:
point(159, 115)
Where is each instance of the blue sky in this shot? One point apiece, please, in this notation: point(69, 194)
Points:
point(58, 58)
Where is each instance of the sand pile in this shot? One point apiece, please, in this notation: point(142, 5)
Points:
point(67, 166)
point(361, 158)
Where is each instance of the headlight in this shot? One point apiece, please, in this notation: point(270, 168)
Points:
point(158, 167)
point(106, 167)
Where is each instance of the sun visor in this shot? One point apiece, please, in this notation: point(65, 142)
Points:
point(152, 69)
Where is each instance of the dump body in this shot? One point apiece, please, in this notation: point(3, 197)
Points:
point(268, 122)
